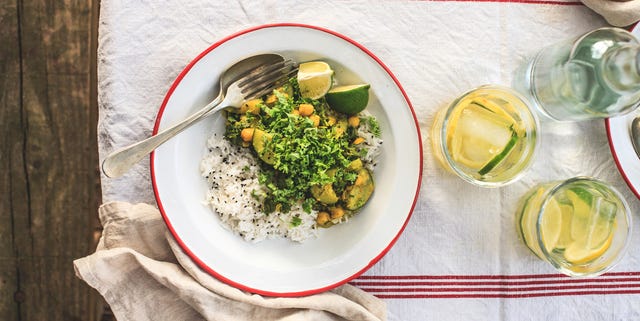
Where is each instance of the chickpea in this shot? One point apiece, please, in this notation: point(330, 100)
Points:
point(251, 107)
point(331, 121)
point(247, 134)
point(336, 212)
point(295, 112)
point(305, 109)
point(358, 141)
point(322, 218)
point(354, 121)
point(315, 119)
point(271, 99)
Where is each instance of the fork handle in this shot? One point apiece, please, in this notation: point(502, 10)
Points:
point(119, 162)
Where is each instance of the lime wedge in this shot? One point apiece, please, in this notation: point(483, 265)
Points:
point(500, 157)
point(350, 99)
point(582, 193)
point(315, 79)
point(492, 106)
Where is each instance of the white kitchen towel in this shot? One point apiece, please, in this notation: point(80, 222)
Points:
point(459, 257)
point(144, 275)
point(617, 12)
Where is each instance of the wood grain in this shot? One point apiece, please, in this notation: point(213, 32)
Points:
point(49, 185)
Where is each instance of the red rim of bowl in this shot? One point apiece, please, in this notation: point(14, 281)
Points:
point(607, 125)
point(175, 234)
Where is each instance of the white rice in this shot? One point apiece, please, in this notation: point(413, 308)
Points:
point(371, 142)
point(232, 175)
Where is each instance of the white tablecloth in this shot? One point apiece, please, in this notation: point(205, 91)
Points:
point(459, 257)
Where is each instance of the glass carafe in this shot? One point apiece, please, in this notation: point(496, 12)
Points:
point(596, 75)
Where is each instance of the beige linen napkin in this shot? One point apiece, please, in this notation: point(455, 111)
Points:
point(143, 274)
point(619, 13)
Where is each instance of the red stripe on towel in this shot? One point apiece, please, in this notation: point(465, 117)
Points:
point(496, 286)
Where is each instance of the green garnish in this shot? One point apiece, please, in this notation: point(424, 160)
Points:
point(374, 126)
point(295, 221)
point(302, 151)
point(307, 205)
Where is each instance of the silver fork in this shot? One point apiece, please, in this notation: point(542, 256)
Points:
point(252, 84)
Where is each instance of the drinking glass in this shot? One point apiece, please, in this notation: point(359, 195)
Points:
point(487, 136)
point(581, 226)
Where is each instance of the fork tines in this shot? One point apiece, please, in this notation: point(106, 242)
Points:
point(263, 79)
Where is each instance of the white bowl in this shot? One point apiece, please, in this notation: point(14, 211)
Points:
point(282, 267)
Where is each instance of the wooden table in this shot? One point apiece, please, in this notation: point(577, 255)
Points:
point(49, 179)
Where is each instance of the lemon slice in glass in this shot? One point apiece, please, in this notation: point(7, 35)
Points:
point(580, 253)
point(551, 224)
point(315, 78)
point(592, 233)
point(581, 214)
point(565, 236)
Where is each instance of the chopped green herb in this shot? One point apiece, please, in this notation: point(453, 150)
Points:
point(295, 221)
point(307, 205)
point(374, 126)
point(304, 151)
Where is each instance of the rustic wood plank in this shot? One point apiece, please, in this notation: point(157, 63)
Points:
point(12, 191)
point(49, 188)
